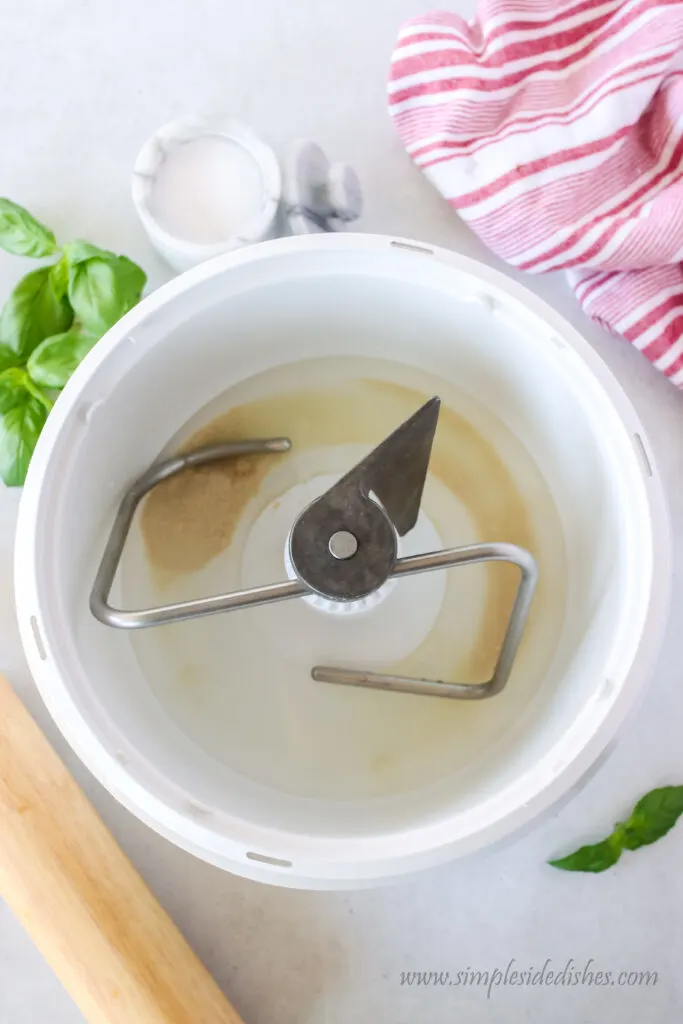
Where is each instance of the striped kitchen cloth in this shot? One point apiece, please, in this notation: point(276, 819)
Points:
point(555, 129)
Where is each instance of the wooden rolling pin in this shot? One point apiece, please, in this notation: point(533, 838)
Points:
point(117, 953)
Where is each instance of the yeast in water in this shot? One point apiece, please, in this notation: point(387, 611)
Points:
point(239, 684)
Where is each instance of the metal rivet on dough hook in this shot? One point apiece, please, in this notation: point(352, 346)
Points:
point(343, 544)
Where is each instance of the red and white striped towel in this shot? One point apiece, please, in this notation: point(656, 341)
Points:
point(555, 129)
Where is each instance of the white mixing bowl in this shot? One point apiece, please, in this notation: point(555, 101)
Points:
point(259, 769)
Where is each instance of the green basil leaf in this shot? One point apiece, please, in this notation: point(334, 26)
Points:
point(8, 358)
point(595, 858)
point(79, 251)
point(102, 289)
point(653, 816)
point(32, 312)
point(22, 234)
point(23, 411)
point(59, 278)
point(133, 278)
point(56, 358)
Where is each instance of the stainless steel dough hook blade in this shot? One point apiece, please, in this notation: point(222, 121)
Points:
point(343, 546)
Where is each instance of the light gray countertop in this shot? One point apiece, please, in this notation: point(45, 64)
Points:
point(82, 84)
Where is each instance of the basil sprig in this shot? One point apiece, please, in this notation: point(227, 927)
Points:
point(49, 323)
point(652, 817)
point(21, 234)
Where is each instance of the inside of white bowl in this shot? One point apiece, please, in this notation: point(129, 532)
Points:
point(465, 766)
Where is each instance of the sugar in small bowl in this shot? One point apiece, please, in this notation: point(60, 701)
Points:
point(204, 188)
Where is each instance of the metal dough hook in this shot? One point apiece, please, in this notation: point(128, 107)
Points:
point(343, 546)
